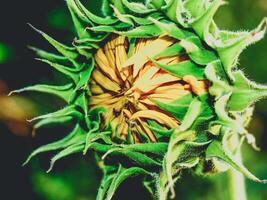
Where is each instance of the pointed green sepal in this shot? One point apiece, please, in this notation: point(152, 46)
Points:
point(68, 52)
point(231, 44)
point(138, 8)
point(76, 148)
point(177, 108)
point(63, 92)
point(79, 8)
point(70, 139)
point(182, 69)
point(246, 90)
point(67, 111)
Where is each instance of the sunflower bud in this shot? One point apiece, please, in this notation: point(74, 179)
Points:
point(130, 87)
point(153, 90)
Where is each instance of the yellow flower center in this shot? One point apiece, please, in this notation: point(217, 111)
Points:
point(127, 86)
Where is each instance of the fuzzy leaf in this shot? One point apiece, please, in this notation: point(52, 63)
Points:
point(152, 148)
point(216, 150)
point(203, 19)
point(223, 115)
point(246, 90)
point(231, 44)
point(219, 84)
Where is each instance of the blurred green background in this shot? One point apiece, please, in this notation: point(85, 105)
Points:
point(77, 177)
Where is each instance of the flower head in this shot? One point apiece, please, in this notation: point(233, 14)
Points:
point(128, 85)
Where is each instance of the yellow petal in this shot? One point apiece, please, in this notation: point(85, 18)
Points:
point(147, 51)
point(96, 89)
point(104, 81)
point(121, 56)
point(105, 66)
point(109, 51)
point(148, 85)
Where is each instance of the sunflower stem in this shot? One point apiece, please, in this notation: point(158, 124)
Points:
point(236, 181)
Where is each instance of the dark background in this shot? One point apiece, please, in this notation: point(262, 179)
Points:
point(77, 177)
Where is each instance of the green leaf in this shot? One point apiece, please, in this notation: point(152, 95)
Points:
point(191, 115)
point(121, 176)
point(109, 175)
point(173, 50)
point(105, 8)
point(138, 158)
point(171, 9)
point(52, 121)
point(49, 56)
point(156, 3)
point(159, 130)
point(223, 115)
point(171, 28)
point(72, 73)
point(90, 16)
point(85, 75)
point(177, 108)
point(203, 19)
point(241, 88)
point(231, 45)
point(63, 92)
point(182, 69)
point(70, 139)
point(146, 31)
point(137, 7)
point(152, 148)
point(79, 23)
point(197, 52)
point(67, 111)
point(246, 90)
point(215, 75)
point(182, 152)
point(76, 148)
point(216, 150)
point(68, 52)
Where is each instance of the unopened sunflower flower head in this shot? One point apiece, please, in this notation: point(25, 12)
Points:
point(154, 89)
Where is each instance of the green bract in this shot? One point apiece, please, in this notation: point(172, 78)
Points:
point(207, 121)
